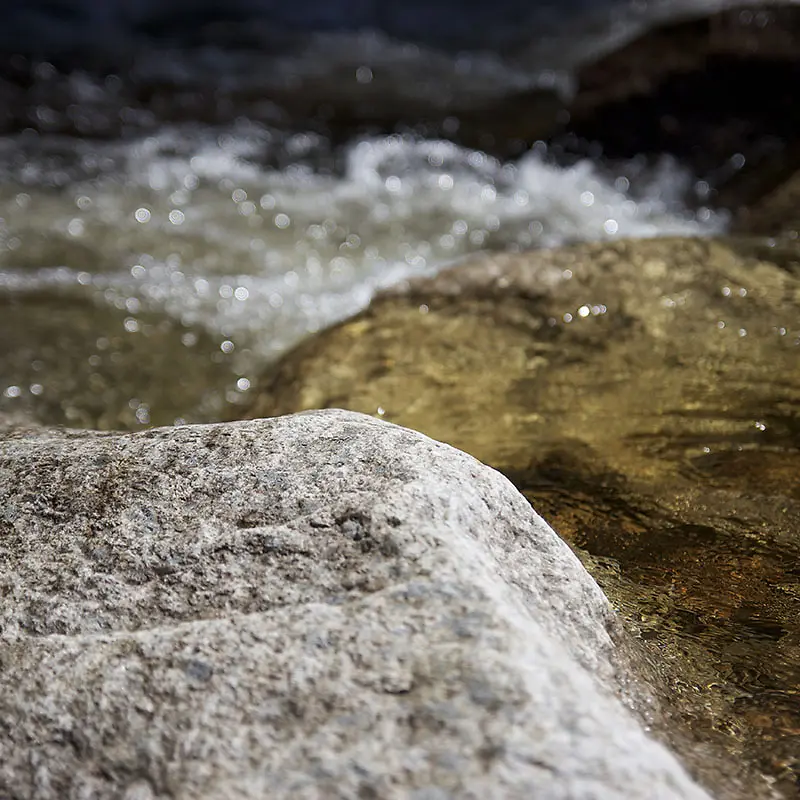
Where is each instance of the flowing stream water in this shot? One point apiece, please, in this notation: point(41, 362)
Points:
point(174, 267)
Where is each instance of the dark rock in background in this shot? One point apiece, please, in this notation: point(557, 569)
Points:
point(721, 94)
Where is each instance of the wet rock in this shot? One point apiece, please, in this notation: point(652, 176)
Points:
point(776, 213)
point(316, 606)
point(643, 395)
point(754, 32)
point(717, 92)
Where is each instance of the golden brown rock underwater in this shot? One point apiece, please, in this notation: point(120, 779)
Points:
point(644, 396)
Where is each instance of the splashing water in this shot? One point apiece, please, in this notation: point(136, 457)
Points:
point(190, 224)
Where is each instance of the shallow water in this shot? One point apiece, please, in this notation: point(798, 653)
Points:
point(188, 233)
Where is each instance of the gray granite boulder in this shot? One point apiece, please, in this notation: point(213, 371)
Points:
point(316, 606)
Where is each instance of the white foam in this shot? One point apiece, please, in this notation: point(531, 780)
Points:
point(265, 256)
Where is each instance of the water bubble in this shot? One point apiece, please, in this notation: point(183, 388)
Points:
point(364, 75)
point(76, 227)
point(450, 125)
point(141, 215)
point(176, 216)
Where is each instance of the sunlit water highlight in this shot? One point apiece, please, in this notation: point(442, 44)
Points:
point(190, 226)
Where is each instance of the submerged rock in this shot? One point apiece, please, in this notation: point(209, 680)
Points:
point(316, 606)
point(644, 396)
